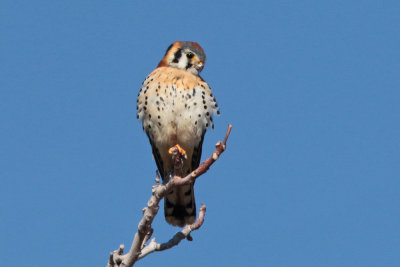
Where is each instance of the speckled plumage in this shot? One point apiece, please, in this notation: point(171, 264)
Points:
point(176, 106)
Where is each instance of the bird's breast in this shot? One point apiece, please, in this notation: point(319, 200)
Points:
point(175, 106)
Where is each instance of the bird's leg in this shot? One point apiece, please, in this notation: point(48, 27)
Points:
point(178, 156)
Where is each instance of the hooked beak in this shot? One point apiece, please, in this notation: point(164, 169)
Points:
point(199, 66)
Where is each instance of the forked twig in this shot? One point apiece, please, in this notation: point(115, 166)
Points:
point(138, 248)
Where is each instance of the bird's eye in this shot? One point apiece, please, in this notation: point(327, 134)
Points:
point(190, 55)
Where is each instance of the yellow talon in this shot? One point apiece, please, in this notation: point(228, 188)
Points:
point(180, 150)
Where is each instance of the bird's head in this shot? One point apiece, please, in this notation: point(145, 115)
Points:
point(184, 55)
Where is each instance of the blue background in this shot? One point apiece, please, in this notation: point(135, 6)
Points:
point(311, 174)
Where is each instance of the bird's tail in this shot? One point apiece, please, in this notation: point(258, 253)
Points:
point(180, 206)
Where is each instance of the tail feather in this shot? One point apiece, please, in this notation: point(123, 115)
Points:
point(180, 206)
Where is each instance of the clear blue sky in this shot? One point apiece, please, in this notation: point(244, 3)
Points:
point(311, 174)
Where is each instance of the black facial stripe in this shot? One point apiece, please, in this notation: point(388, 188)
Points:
point(177, 56)
point(189, 65)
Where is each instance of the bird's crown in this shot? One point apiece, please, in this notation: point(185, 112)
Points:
point(184, 55)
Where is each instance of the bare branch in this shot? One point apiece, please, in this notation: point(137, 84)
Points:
point(190, 178)
point(177, 238)
point(146, 238)
point(138, 249)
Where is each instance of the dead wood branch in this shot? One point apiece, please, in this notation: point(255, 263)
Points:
point(138, 249)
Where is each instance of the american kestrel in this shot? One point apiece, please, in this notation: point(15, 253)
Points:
point(176, 106)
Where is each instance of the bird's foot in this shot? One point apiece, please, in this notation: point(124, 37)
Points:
point(177, 149)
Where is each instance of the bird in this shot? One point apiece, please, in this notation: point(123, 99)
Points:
point(176, 107)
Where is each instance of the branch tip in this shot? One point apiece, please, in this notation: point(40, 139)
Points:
point(203, 207)
point(111, 259)
point(189, 237)
point(228, 132)
point(121, 249)
point(157, 179)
